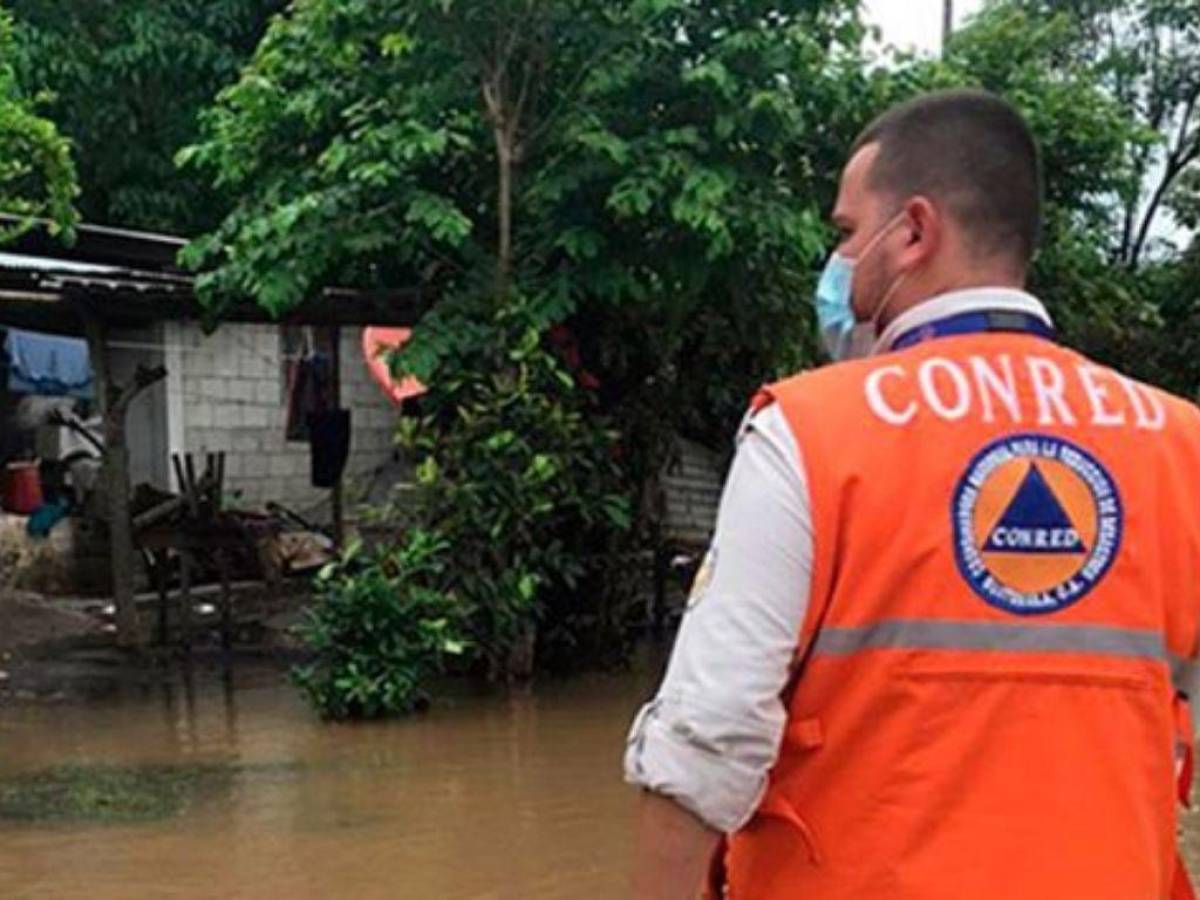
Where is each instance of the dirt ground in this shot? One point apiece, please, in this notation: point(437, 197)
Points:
point(29, 621)
point(58, 650)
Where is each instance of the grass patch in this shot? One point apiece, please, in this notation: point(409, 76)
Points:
point(107, 794)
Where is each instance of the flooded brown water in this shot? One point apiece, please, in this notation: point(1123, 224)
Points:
point(507, 795)
point(513, 795)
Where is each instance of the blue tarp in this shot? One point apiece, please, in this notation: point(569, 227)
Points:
point(49, 365)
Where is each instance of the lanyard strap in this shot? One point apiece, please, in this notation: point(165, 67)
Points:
point(975, 323)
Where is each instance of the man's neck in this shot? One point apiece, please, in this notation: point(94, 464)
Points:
point(989, 298)
point(922, 294)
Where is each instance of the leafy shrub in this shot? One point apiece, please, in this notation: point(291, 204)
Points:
point(380, 628)
point(518, 471)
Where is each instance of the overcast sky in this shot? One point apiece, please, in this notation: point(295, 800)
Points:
point(914, 23)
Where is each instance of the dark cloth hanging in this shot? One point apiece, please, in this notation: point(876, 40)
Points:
point(329, 445)
point(310, 392)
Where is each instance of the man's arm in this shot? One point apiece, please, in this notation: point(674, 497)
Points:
point(673, 851)
point(702, 749)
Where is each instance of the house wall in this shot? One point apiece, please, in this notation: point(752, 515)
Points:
point(227, 393)
point(692, 491)
point(146, 420)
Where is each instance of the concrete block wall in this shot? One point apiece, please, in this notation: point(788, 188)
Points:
point(231, 397)
point(692, 490)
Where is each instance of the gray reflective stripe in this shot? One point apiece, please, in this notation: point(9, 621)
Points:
point(921, 634)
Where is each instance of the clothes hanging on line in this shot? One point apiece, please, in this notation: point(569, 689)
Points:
point(310, 392)
point(48, 365)
point(329, 446)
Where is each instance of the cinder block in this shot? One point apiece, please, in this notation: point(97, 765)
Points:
point(226, 416)
point(272, 488)
point(255, 465)
point(221, 439)
point(246, 441)
point(249, 415)
point(266, 340)
point(267, 392)
point(299, 463)
point(201, 438)
point(194, 437)
point(281, 465)
point(198, 415)
point(241, 390)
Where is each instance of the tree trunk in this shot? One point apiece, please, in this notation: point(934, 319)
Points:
point(116, 486)
point(947, 23)
point(504, 156)
point(115, 478)
point(1174, 169)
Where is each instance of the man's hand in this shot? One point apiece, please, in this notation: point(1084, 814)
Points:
point(672, 853)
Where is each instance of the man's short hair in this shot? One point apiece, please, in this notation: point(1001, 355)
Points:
point(971, 152)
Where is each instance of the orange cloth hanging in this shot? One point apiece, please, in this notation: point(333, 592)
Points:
point(377, 343)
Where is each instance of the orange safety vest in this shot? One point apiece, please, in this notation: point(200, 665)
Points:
point(1006, 569)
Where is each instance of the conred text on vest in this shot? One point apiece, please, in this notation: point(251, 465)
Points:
point(1016, 389)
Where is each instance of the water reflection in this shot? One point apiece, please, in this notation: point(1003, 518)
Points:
point(489, 796)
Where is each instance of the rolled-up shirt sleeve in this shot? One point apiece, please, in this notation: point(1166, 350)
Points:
point(712, 733)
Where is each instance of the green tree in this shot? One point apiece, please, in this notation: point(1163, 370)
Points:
point(1123, 149)
point(1146, 56)
point(652, 173)
point(1105, 157)
point(37, 175)
point(125, 81)
point(670, 159)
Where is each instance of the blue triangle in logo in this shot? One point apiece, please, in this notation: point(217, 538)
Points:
point(1034, 522)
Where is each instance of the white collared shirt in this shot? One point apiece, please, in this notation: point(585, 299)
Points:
point(712, 733)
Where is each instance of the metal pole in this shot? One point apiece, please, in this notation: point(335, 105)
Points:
point(947, 23)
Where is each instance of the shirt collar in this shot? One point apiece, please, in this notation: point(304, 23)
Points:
point(982, 299)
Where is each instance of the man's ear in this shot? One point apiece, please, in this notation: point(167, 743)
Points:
point(926, 231)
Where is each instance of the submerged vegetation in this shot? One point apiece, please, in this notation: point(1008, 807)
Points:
point(108, 794)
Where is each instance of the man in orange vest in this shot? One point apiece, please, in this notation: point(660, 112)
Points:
point(938, 647)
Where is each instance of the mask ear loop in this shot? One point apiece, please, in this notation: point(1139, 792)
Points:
point(886, 300)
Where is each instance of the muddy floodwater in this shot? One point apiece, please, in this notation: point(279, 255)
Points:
point(498, 795)
point(488, 796)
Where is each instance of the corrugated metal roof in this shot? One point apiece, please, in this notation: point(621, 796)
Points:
point(46, 264)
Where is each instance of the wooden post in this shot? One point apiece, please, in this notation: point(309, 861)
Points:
point(337, 513)
point(226, 600)
point(185, 598)
point(115, 478)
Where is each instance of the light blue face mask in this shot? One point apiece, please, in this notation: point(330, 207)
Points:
point(842, 334)
point(836, 321)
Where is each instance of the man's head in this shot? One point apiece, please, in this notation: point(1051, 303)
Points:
point(940, 193)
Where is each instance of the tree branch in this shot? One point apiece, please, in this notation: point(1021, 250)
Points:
point(142, 379)
point(1180, 158)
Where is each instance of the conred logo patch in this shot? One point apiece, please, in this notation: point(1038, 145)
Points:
point(1037, 523)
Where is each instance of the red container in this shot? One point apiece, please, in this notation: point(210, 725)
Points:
point(22, 488)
